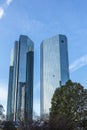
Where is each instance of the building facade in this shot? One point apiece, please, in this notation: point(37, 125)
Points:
point(10, 88)
point(22, 86)
point(54, 69)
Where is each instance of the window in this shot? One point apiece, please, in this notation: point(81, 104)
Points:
point(62, 41)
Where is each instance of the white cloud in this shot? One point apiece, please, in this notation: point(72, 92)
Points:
point(4, 7)
point(82, 61)
point(8, 2)
point(3, 92)
point(1, 12)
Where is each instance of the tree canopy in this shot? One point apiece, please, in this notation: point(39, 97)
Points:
point(2, 116)
point(70, 102)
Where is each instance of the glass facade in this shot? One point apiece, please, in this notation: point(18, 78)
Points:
point(10, 89)
point(22, 93)
point(15, 77)
point(29, 82)
point(54, 69)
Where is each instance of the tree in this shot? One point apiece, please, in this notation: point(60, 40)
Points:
point(2, 116)
point(8, 125)
point(70, 102)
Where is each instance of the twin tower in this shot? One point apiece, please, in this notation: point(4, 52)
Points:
point(54, 72)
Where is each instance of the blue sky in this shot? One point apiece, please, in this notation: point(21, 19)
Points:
point(40, 19)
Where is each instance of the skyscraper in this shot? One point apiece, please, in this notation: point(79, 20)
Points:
point(54, 69)
point(22, 84)
point(10, 88)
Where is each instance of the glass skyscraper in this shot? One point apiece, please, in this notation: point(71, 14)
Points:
point(22, 83)
point(10, 88)
point(54, 69)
